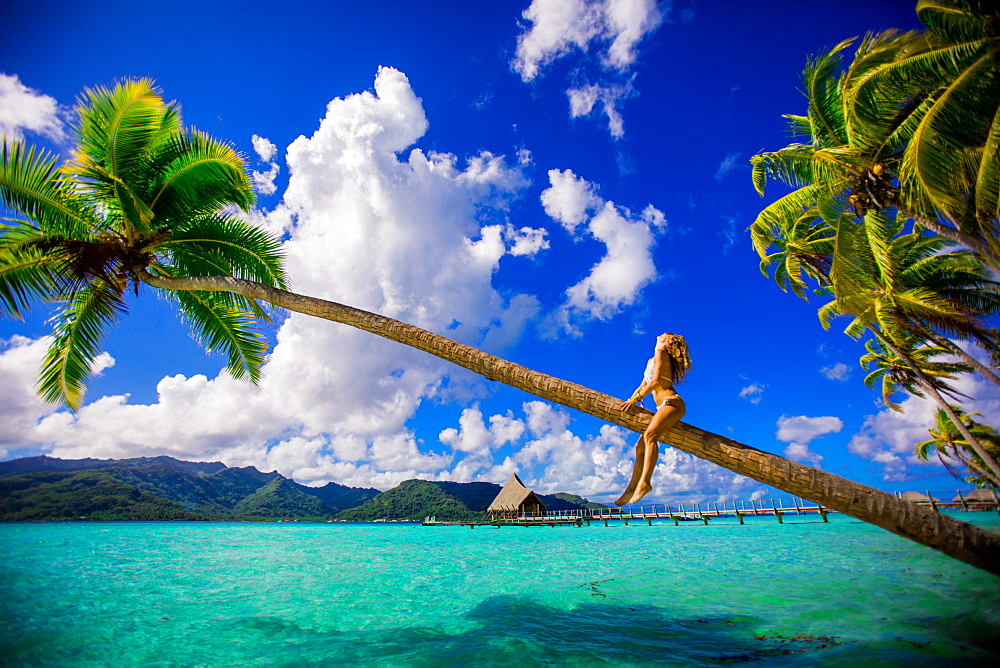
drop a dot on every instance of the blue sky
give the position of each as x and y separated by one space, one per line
556 182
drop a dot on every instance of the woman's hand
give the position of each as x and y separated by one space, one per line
628 405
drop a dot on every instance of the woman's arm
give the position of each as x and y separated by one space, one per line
661 363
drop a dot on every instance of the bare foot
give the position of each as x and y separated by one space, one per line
641 491
626 495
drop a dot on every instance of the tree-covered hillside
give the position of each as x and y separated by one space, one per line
76 495
446 501
176 489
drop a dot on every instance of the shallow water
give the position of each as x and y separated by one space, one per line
798 593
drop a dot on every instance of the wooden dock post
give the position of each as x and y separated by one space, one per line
961 500
676 521
933 503
739 515
822 511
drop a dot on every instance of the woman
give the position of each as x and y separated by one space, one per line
669 364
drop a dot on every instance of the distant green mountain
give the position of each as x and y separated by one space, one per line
189 490
74 495
164 488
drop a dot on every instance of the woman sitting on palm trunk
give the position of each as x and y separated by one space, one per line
669 364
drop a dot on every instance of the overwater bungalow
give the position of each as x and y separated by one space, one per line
514 501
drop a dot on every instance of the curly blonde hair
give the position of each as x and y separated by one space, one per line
680 359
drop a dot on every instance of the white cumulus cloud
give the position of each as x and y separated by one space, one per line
24 109
800 430
560 26
263 181
582 101
804 429
265 148
839 372
612 29
753 392
627 266
363 215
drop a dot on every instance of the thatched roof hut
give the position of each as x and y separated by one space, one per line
514 500
977 496
917 497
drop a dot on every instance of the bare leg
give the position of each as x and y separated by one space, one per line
640 458
659 426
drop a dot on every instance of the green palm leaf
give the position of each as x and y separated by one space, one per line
26 275
219 326
226 246
199 174
79 327
29 184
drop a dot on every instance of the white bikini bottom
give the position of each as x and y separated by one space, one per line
667 402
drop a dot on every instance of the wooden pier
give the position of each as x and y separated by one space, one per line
675 513
776 508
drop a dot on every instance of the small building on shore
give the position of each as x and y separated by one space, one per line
977 496
514 501
917 497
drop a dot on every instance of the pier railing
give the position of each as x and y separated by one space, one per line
777 508
683 512
955 500
693 512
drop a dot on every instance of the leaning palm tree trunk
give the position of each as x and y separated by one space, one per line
928 386
981 248
957 539
945 342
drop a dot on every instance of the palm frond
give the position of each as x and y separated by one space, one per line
958 20
29 184
932 164
778 216
801 126
987 178
822 89
79 327
220 327
225 246
116 128
27 275
202 175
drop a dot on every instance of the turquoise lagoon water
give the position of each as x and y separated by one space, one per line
221 594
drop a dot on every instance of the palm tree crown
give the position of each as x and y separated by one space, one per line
141 194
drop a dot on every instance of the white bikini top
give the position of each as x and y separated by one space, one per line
648 374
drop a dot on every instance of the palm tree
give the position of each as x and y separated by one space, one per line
899 287
121 215
947 443
848 165
892 373
945 86
913 121
141 192
843 164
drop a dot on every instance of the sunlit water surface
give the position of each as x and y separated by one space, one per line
220 594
